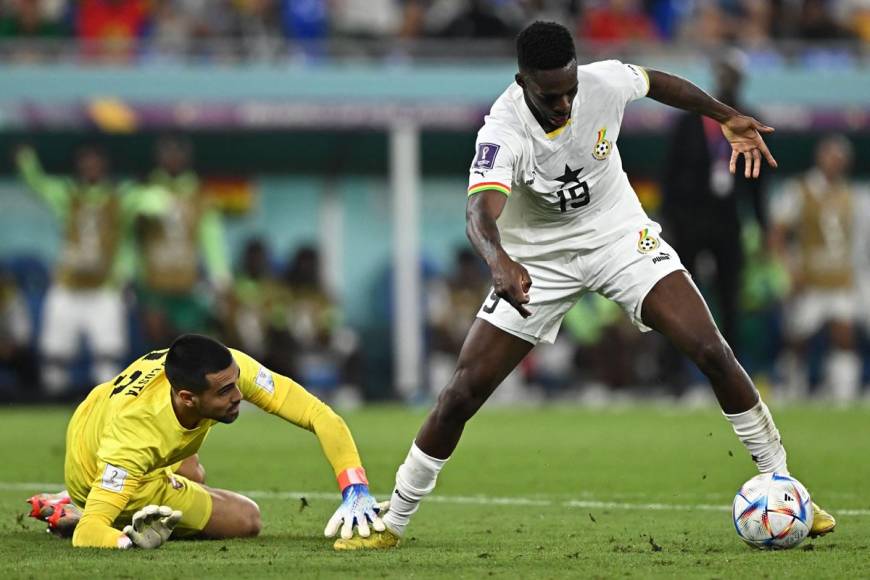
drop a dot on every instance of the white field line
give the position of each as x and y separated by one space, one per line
464 500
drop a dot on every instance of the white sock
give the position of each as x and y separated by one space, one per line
755 428
843 375
414 480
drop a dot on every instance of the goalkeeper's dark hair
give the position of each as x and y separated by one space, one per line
544 46
193 356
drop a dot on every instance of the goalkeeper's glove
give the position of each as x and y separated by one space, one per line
357 509
152 526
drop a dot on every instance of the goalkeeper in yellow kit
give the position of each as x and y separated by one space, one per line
131 467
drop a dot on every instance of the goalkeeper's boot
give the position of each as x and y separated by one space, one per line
57 510
376 541
823 522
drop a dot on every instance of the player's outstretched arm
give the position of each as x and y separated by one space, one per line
286 398
743 132
52 190
510 280
358 507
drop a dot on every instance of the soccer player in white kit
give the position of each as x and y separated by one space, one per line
552 213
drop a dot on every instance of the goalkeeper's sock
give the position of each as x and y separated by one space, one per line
755 428
414 480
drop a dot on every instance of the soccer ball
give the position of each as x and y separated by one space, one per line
773 511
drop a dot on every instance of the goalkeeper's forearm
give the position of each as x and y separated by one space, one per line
94 530
338 446
303 409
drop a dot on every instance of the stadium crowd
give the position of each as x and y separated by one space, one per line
149 28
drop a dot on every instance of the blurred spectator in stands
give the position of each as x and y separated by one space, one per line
29 19
667 15
561 11
452 304
84 299
177 25
112 28
856 15
479 19
256 24
816 22
702 199
755 24
326 352
616 21
765 289
305 19
487 19
259 311
815 233
16 331
175 228
707 25
365 18
30 23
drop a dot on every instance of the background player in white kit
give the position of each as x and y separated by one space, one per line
552 213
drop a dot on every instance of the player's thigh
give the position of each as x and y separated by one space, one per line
107 323
190 468
60 323
676 308
232 515
628 269
176 491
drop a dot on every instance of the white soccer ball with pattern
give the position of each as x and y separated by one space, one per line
773 511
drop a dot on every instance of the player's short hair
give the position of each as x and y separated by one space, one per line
544 46
193 356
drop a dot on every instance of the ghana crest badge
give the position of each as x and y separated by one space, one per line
603 147
647 242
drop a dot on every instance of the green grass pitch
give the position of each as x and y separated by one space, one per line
630 492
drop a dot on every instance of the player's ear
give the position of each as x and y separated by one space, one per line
521 80
186 397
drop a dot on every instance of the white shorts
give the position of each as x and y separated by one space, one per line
812 309
624 270
96 314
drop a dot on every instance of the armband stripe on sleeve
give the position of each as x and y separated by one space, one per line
645 76
352 476
500 187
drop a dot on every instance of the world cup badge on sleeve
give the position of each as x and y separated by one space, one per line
603 147
486 153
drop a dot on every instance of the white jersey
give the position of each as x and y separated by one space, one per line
567 189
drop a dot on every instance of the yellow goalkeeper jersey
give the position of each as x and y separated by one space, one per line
126 432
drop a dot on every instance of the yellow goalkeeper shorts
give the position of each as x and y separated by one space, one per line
177 492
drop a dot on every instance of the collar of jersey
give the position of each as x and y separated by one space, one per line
556 132
536 126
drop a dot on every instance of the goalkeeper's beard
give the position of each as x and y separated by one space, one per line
230 416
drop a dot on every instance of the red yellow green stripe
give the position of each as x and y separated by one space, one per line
500 187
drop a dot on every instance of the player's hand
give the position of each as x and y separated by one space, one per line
358 508
512 283
744 134
152 526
